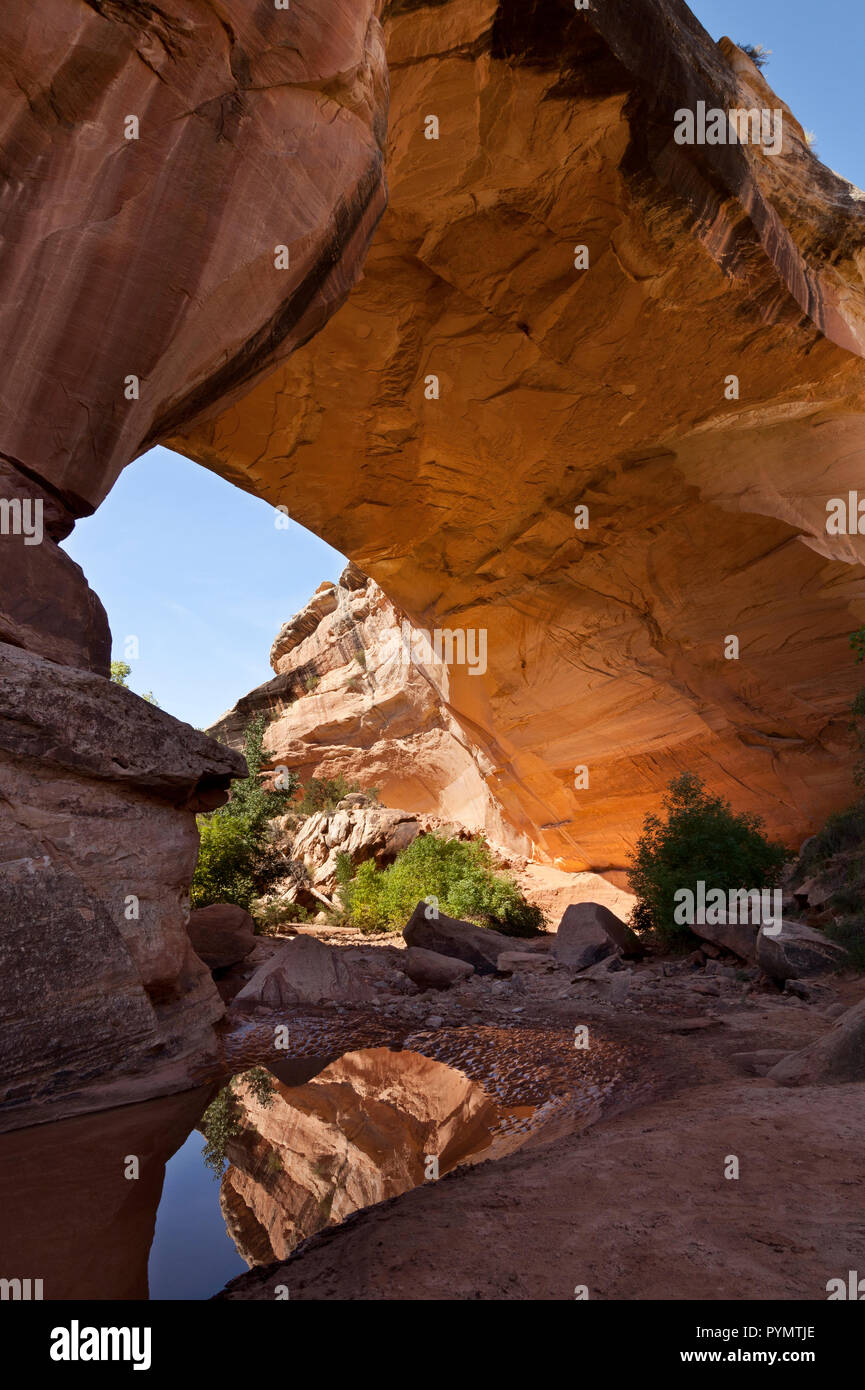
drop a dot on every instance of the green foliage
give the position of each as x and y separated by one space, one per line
701 838
222 1120
360 658
151 698
269 917
324 793
120 672
234 859
311 682
757 52
458 873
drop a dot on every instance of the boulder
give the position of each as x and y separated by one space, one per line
221 934
430 970
305 971
837 1057
588 933
797 952
738 937
448 936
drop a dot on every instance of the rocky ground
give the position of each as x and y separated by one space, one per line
618 1184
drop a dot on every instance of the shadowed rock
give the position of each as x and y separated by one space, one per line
589 932
221 934
837 1057
798 952
448 936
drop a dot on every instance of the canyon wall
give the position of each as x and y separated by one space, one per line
351 696
607 387
187 191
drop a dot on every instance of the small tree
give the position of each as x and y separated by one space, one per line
120 672
223 1118
700 838
234 859
757 52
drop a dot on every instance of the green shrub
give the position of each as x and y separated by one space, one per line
222 1120
324 793
458 873
235 861
269 917
701 838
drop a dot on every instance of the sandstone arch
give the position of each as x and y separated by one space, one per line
559 387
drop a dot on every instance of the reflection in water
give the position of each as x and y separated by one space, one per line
192 1253
365 1129
347 1128
70 1216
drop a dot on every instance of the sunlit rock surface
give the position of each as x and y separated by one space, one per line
602 387
348 699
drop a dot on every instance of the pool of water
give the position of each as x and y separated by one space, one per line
357 1114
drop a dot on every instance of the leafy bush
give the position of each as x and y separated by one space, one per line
324 793
222 1120
269 917
120 672
701 838
234 859
458 873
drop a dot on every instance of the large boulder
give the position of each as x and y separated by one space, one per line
479 946
837 1057
738 937
306 971
430 970
221 934
797 952
588 933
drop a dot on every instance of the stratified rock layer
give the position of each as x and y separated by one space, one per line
603 387
104 1000
187 192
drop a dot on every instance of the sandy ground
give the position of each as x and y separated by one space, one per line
637 1208
634 1204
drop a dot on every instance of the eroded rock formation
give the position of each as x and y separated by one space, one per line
186 191
602 387
348 697
103 998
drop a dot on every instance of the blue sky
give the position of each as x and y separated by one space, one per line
195 568
816 65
